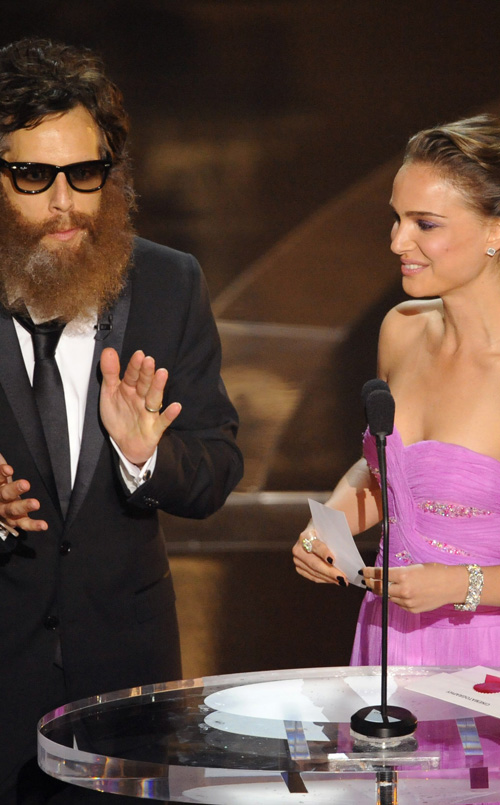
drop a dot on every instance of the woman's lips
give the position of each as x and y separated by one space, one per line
410 269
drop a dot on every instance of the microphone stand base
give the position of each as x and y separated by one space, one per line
369 725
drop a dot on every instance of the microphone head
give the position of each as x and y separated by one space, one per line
380 408
373 385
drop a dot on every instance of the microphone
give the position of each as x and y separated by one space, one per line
380 408
103 327
373 385
382 724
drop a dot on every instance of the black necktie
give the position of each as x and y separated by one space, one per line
49 397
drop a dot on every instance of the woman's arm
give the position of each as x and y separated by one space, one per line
358 495
422 588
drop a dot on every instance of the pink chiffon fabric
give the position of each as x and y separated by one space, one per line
444 506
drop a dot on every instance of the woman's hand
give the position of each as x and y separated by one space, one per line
318 563
421 588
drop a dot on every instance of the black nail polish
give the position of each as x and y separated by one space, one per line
360 572
329 560
341 581
363 582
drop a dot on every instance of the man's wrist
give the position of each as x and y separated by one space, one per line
133 475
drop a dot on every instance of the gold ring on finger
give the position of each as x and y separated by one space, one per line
152 410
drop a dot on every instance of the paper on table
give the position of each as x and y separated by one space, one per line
458 688
331 527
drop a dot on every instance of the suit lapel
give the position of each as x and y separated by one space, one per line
94 434
16 385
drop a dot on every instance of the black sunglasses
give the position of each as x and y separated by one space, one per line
36 177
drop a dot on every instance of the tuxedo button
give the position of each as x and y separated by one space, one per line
152 503
147 475
51 622
64 547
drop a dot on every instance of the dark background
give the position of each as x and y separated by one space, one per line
265 136
246 116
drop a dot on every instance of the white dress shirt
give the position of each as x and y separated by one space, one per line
74 359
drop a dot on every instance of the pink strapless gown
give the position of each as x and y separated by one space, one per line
444 506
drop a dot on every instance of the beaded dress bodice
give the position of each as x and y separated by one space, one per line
444 502
444 506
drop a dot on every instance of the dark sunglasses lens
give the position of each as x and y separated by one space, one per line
33 178
87 175
37 177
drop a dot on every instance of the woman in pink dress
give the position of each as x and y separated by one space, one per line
440 355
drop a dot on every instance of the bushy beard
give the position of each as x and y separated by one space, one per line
66 282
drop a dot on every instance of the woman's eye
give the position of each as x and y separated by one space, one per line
425 226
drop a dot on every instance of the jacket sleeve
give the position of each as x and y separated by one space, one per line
198 461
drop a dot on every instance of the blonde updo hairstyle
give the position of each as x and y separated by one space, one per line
467 154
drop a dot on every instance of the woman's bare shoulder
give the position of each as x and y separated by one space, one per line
403 325
415 311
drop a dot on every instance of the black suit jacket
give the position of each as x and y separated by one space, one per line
100 581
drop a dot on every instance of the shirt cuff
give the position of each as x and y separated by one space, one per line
132 475
5 530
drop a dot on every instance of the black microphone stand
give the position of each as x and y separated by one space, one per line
382 463
380 724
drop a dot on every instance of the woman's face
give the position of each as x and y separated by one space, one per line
442 243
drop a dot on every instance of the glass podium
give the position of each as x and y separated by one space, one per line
272 737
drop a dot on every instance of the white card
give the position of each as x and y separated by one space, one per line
331 527
458 688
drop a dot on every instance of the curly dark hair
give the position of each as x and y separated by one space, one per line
39 77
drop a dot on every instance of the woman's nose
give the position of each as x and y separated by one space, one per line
402 240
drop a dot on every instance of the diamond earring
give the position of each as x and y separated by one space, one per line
491 251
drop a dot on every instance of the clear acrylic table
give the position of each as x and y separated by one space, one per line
272 737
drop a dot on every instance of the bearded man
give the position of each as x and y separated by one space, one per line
87 598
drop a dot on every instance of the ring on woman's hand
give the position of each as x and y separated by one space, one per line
307 543
152 410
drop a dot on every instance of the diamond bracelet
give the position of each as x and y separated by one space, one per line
476 581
